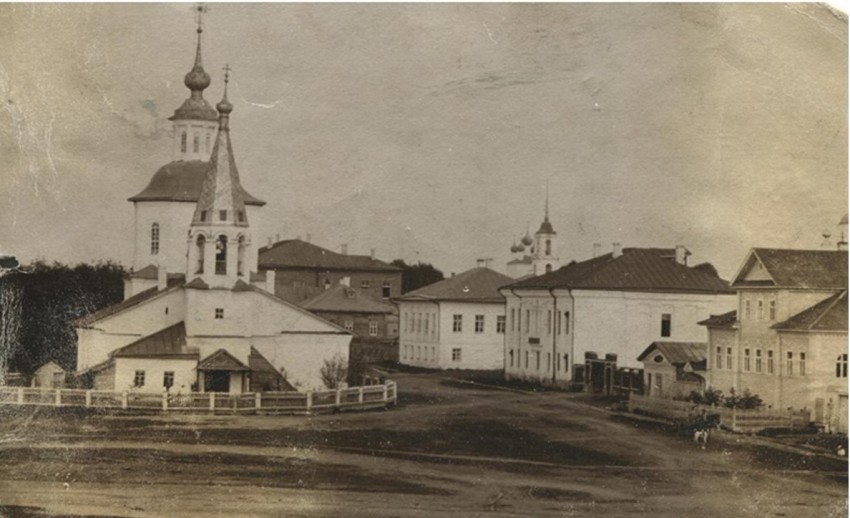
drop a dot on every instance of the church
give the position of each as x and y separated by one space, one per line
196 314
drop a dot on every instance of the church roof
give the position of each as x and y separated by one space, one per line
475 285
786 268
295 253
181 180
344 299
546 227
829 314
221 360
636 269
138 298
166 343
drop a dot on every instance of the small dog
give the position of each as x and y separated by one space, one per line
701 438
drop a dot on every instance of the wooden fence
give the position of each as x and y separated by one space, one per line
353 398
743 421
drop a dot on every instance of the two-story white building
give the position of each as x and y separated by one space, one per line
456 323
576 325
787 340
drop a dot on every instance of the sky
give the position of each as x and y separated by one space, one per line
430 131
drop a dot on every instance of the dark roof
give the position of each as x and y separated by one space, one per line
546 227
526 259
221 360
167 343
637 269
727 320
125 304
829 314
677 353
152 272
798 268
341 298
297 294
475 285
294 253
182 180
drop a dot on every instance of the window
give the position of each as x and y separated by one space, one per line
513 319
221 255
526 359
537 358
457 323
665 324
527 320
660 382
729 358
549 322
772 310
386 289
364 285
168 379
456 354
747 309
240 215
208 143
203 215
758 360
511 355
434 327
201 246
760 309
427 322
139 379
548 361
566 362
155 239
240 256
789 363
566 322
500 323
373 328
548 268
418 351
718 358
196 143
183 141
419 322
770 362
549 252
802 364
433 353
746 360
479 323
219 313
841 366
559 362
222 215
349 325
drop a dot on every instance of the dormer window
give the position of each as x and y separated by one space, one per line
222 215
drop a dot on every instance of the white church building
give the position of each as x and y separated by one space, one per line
196 314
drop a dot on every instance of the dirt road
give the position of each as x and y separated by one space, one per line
447 449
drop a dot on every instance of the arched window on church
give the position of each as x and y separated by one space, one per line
201 245
240 257
155 239
183 141
841 366
548 247
221 255
548 268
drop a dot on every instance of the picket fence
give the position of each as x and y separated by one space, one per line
352 398
737 420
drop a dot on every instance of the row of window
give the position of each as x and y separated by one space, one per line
221 255
167 379
550 364
760 312
373 327
196 142
420 353
457 323
756 360
426 323
555 322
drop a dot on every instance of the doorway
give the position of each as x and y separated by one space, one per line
217 381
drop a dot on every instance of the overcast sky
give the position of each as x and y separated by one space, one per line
429 131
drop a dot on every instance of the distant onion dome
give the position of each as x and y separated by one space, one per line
196 80
526 240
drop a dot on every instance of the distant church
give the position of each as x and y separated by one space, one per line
541 256
196 314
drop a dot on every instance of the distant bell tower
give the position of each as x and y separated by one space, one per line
220 250
195 121
543 258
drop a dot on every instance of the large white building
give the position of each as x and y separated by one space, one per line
456 323
195 313
579 323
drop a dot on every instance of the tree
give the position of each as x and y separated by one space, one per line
334 371
415 276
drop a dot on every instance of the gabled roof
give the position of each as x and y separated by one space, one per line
182 180
637 269
166 343
152 272
475 285
526 259
677 353
786 268
341 298
294 253
829 314
221 360
724 320
126 304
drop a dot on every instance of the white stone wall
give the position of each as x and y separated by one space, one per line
478 350
419 334
125 372
204 130
302 356
173 219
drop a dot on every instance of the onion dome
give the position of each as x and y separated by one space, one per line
514 248
197 80
526 240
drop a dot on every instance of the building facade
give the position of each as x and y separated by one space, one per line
787 340
576 325
456 323
542 257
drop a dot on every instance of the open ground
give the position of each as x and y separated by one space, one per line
448 448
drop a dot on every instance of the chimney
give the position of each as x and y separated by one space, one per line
270 281
617 250
161 278
372 253
597 247
308 237
345 281
488 262
344 248
480 263
681 255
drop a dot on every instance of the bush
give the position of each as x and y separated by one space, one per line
711 397
334 371
745 401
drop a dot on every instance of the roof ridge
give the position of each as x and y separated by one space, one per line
835 299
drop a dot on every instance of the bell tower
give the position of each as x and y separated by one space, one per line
219 236
544 259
